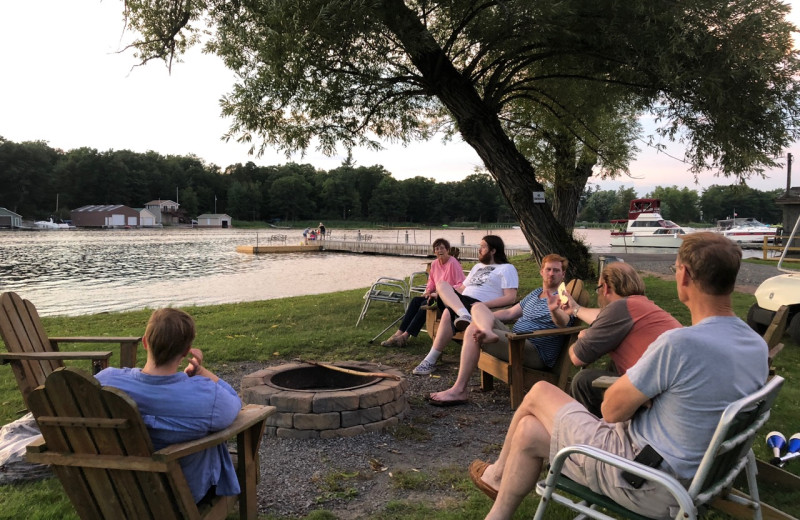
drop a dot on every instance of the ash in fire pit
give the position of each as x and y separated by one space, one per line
318 402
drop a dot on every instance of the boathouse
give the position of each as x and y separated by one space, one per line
146 217
214 220
167 212
9 219
105 216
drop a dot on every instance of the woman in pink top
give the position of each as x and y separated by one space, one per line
446 268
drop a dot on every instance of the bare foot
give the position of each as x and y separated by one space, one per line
490 477
483 336
450 395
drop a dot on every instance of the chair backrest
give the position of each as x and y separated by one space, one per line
727 452
22 332
110 472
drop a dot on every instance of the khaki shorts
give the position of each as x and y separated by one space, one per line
573 424
530 356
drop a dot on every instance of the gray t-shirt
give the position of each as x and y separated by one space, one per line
692 374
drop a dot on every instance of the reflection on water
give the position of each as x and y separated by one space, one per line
83 272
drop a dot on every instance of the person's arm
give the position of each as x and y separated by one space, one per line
196 368
609 328
511 313
585 314
621 401
560 318
508 298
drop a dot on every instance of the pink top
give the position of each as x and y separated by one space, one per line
451 272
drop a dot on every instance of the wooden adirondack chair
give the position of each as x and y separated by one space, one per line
100 449
521 378
33 356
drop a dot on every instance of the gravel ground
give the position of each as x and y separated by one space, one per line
357 477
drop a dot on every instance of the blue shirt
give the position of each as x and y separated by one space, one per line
536 316
179 408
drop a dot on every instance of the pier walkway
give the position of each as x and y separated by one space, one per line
469 252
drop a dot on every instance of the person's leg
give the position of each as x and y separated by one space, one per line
483 321
450 298
542 402
443 336
470 351
583 392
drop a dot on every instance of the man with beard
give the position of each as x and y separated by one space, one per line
541 309
623 327
493 281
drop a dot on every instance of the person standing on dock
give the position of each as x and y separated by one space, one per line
493 281
305 236
321 231
446 268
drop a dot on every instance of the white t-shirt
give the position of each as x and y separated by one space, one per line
486 282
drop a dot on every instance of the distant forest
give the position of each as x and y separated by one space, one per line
33 176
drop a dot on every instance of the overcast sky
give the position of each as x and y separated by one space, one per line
62 81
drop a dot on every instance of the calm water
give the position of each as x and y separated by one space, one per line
84 272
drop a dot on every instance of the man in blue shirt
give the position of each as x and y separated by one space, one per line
541 309
179 406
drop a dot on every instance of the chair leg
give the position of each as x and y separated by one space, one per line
387 328
752 484
364 310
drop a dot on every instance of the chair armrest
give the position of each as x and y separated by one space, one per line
546 332
604 381
671 484
6 357
249 416
127 345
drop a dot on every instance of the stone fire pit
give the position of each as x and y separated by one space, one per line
317 402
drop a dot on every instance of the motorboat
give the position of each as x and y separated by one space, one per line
744 230
645 227
49 224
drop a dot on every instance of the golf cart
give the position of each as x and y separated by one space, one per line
774 292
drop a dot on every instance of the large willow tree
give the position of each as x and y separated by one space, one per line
512 77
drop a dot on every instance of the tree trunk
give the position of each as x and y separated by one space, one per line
480 127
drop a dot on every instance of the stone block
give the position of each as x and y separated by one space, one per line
391 422
280 419
288 433
258 394
376 397
394 408
298 402
342 432
363 416
256 378
317 421
336 401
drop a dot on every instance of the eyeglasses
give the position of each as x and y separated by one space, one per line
597 289
674 269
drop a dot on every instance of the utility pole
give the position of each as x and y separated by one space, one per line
789 158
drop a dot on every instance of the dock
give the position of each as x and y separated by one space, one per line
469 253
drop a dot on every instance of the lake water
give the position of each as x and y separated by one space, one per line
85 272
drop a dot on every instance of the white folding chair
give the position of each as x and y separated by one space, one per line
729 452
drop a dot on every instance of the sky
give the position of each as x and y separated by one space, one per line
64 81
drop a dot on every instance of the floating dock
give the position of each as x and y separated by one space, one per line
368 247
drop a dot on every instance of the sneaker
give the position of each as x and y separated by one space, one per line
462 322
425 368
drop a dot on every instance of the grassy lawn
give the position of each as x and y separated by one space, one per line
321 328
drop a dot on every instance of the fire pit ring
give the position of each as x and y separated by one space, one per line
318 402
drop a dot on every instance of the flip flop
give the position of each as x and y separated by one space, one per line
476 471
445 404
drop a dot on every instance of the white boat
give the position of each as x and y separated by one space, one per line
645 227
49 224
744 230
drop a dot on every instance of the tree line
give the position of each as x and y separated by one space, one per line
33 176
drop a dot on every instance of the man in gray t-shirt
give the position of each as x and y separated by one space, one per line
671 399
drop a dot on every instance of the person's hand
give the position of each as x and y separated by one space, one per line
571 304
553 301
195 362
